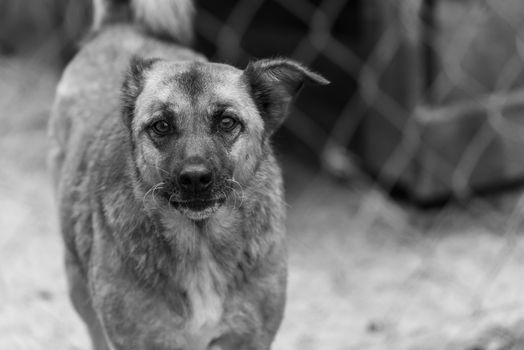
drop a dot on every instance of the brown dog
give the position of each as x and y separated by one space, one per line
170 197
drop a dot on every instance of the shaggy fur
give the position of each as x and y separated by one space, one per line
146 269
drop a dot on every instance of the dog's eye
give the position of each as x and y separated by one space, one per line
161 127
227 123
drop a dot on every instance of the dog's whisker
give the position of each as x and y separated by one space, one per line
158 168
236 192
233 192
151 192
171 197
241 188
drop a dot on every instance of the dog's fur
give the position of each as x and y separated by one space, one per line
148 268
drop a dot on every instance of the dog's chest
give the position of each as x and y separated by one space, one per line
203 282
205 294
204 286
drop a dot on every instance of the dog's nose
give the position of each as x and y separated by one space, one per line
195 178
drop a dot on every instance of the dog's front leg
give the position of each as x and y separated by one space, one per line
134 315
82 302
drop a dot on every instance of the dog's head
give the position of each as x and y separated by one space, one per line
199 129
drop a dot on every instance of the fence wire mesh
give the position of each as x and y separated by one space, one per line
425 104
430 113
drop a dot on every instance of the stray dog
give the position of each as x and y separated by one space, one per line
170 198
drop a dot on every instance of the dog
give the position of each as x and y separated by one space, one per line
169 195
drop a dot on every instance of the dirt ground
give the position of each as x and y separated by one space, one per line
365 272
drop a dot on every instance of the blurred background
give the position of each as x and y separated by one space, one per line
403 177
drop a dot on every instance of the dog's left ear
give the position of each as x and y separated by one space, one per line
133 85
274 83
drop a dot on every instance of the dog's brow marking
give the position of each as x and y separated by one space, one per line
191 82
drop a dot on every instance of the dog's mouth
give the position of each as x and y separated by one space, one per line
198 209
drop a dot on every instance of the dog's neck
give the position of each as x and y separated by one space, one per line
190 241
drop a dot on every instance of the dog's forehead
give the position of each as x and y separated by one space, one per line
198 80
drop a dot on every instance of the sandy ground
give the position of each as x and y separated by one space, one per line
365 272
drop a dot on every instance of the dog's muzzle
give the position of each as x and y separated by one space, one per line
196 182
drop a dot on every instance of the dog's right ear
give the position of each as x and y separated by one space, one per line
133 85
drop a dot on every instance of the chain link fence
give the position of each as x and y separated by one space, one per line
403 176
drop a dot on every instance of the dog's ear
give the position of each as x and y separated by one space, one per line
133 84
274 83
